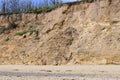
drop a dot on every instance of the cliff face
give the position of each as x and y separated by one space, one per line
74 33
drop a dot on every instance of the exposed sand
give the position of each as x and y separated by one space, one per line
76 72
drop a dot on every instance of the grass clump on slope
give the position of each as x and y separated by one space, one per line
26 31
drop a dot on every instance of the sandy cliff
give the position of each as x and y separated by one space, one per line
74 33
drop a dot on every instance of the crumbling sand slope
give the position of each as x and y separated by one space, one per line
74 33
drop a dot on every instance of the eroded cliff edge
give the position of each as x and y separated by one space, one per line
74 33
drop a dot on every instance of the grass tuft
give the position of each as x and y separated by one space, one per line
27 31
6 39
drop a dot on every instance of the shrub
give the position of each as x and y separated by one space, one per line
12 25
2 29
6 39
8 27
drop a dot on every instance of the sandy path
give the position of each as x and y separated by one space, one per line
77 72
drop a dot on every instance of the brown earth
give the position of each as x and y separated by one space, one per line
74 33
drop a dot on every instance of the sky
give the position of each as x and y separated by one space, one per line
69 0
36 1
62 0
43 0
